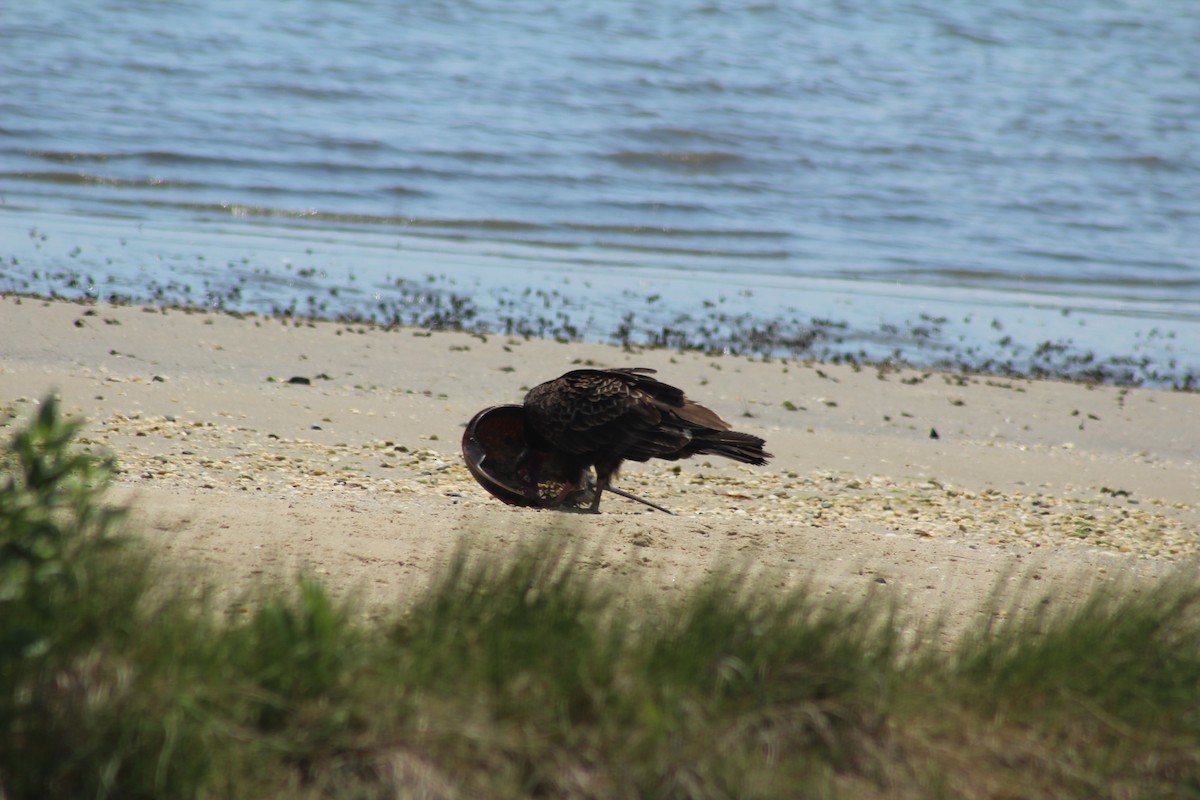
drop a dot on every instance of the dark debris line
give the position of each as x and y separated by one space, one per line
548 315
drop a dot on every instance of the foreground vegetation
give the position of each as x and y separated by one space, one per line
525 678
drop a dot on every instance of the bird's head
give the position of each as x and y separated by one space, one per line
528 469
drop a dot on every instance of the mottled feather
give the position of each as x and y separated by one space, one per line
604 417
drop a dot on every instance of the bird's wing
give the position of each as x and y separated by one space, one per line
673 403
618 412
588 411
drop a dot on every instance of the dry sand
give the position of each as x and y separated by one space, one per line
1041 486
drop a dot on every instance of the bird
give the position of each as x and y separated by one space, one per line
600 418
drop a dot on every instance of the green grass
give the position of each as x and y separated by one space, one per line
521 677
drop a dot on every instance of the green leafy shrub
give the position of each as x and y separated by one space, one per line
52 526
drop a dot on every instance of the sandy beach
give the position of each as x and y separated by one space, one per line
931 488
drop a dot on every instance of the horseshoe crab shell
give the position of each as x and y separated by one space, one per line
492 444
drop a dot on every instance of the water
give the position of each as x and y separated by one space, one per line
947 181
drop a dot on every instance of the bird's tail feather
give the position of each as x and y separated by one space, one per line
732 444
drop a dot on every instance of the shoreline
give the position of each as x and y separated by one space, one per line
357 476
941 336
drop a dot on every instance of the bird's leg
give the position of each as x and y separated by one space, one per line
605 471
604 475
572 490
595 506
564 494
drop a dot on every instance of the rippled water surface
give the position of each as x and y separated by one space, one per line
935 178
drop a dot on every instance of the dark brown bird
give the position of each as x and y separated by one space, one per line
600 418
